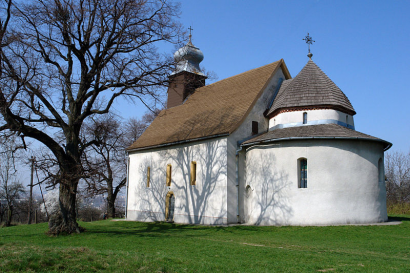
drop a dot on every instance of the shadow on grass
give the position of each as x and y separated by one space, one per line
154 229
161 229
398 218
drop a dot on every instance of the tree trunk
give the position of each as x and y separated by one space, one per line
110 205
8 218
64 221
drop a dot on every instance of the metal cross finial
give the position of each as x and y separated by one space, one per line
190 34
309 41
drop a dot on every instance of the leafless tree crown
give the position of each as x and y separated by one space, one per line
63 62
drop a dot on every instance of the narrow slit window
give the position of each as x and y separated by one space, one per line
381 171
148 176
303 173
193 173
304 118
255 128
169 170
347 120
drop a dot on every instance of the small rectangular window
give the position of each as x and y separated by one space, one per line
304 118
169 175
303 173
255 128
193 173
148 176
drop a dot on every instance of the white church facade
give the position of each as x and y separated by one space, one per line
256 148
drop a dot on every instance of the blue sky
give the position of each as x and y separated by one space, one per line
363 46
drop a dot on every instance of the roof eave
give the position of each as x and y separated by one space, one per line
130 150
387 144
319 107
285 70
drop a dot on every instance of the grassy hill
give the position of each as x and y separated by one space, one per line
161 247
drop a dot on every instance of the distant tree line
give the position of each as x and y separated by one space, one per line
397 176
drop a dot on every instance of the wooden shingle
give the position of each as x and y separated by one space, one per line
310 88
329 131
213 110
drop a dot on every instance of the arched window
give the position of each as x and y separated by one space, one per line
304 118
302 172
169 207
248 191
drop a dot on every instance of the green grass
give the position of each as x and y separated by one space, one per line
162 247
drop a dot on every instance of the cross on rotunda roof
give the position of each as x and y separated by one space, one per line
309 41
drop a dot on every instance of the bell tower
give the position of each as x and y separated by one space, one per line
187 76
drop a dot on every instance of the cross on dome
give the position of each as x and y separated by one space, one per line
190 34
309 41
188 57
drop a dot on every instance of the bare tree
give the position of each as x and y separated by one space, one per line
10 188
397 171
105 160
134 127
65 61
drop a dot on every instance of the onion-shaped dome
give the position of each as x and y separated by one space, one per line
188 58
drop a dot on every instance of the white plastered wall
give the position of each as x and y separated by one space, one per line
323 116
203 203
236 164
343 185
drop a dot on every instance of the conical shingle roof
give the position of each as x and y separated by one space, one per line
310 88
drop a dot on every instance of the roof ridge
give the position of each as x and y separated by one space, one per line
237 75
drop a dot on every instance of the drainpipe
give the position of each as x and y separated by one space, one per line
237 184
126 187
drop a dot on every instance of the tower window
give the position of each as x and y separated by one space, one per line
169 168
193 173
255 128
304 118
347 120
302 172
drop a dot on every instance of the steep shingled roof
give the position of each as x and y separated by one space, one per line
329 131
215 109
310 88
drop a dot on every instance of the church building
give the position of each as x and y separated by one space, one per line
258 148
